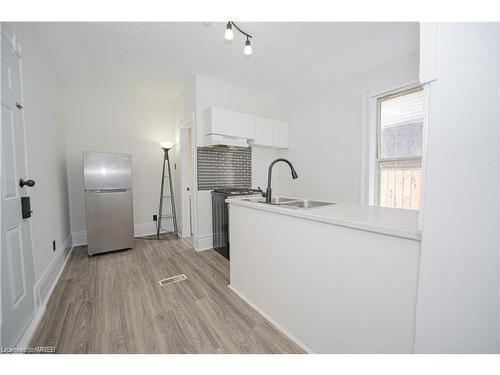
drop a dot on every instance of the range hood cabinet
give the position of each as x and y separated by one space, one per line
216 140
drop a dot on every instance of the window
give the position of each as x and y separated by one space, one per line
399 148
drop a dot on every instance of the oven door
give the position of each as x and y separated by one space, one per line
220 224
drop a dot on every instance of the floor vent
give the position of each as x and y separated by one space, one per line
173 279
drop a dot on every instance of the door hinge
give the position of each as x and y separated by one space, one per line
19 106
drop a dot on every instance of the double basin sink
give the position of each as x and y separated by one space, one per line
297 203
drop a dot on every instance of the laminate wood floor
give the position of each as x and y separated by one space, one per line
113 303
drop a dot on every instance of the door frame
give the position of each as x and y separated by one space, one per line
186 178
7 35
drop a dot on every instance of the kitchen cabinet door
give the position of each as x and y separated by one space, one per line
230 123
281 134
263 132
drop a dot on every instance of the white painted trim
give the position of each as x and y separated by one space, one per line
44 287
79 238
365 146
140 230
144 229
147 229
391 90
429 52
30 330
499 199
186 178
371 126
2 26
204 242
425 136
273 322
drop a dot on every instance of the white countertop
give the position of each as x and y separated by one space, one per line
390 221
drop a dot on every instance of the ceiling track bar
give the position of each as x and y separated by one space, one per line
240 30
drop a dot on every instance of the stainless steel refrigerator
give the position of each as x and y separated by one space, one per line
108 201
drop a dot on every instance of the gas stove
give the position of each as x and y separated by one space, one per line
220 214
237 191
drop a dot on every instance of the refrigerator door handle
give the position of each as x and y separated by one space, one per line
103 191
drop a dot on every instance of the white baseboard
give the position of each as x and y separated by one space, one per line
79 238
25 339
140 230
205 242
43 288
273 322
45 285
147 229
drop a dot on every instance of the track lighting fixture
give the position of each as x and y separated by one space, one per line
229 35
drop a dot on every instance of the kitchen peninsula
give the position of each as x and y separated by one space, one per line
336 278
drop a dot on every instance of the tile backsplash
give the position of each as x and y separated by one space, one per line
224 167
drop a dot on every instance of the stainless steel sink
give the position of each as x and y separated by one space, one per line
276 200
305 203
293 202
281 200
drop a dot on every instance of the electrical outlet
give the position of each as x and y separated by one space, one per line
155 217
54 245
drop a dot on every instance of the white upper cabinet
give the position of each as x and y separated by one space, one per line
223 126
271 133
263 132
281 134
229 123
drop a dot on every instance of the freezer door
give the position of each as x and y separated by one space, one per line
106 170
110 220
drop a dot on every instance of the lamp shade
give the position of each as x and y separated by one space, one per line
166 144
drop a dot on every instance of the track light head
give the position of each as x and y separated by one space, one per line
229 35
248 48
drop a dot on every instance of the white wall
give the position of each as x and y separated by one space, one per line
45 142
118 121
211 92
458 299
326 133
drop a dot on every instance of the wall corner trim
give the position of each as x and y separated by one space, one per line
204 242
79 238
429 52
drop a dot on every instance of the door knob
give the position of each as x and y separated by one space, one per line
29 183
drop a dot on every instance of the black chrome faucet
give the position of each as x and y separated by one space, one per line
268 193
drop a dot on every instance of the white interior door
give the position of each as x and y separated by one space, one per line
17 302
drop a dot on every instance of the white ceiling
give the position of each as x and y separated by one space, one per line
289 57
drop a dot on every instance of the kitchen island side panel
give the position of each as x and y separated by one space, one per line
335 289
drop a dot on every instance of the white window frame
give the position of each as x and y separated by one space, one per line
370 189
